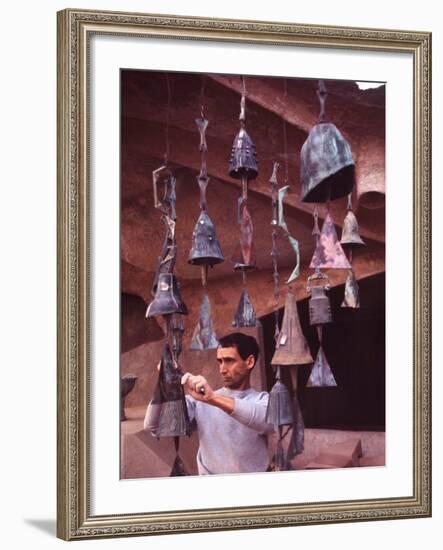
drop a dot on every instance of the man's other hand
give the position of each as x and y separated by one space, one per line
197 387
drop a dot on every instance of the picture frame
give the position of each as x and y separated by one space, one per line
77 251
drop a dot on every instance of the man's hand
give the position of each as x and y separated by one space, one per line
198 387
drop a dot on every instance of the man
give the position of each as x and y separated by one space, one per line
231 420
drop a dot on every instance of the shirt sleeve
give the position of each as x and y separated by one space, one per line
252 413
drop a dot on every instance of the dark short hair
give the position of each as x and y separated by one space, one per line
246 345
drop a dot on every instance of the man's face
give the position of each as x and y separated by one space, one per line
234 370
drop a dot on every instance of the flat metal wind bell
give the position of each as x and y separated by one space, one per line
321 374
204 336
291 346
328 253
292 241
245 315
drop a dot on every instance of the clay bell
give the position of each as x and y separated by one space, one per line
291 348
350 235
167 298
205 248
327 170
243 161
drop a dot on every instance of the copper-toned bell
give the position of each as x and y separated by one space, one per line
204 336
291 347
350 235
351 297
245 314
326 165
328 253
319 306
206 248
321 373
167 298
243 161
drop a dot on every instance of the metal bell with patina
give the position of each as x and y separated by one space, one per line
245 314
327 170
206 249
350 235
167 298
243 161
321 373
328 253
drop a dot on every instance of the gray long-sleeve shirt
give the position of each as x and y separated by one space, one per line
235 443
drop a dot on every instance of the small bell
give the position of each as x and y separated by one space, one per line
351 297
319 306
279 410
174 418
328 253
350 235
291 346
321 373
327 170
204 336
167 297
245 314
206 248
243 161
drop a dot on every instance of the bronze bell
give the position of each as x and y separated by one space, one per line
350 235
174 418
291 347
243 161
279 410
319 306
245 314
329 253
327 170
167 298
321 373
206 248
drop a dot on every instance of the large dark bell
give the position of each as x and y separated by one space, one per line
174 418
167 297
327 169
206 248
243 161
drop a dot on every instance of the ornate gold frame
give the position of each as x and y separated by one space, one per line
75 28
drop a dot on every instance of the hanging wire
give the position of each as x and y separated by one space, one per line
168 109
285 137
202 96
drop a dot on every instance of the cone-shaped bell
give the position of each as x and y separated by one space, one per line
245 314
291 347
329 254
204 336
243 161
205 248
167 298
327 169
279 410
321 373
297 442
350 235
351 298
174 418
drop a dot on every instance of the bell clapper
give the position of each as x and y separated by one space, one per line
204 274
